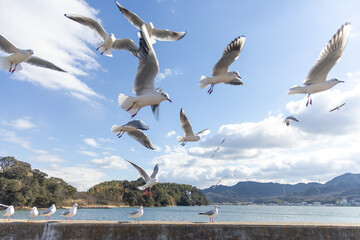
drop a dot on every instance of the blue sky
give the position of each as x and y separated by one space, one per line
60 122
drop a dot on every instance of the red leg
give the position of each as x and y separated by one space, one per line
131 106
14 69
135 113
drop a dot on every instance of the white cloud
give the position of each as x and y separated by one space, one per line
48 158
171 133
113 162
167 72
20 124
11 137
80 177
52 37
88 153
91 142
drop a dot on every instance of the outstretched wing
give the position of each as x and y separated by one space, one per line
43 63
155 172
141 171
89 22
141 138
138 124
6 45
185 124
132 17
167 35
126 44
203 132
230 54
329 56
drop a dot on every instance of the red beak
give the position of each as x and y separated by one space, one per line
170 100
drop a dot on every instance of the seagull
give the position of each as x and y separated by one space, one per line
132 129
329 56
188 132
33 213
136 214
218 147
218 182
109 40
144 84
337 108
287 120
150 181
8 211
211 214
12 63
188 194
220 73
48 212
70 213
154 33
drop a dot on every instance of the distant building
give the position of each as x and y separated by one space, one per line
317 203
342 202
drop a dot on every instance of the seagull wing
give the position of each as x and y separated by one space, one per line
185 124
167 35
292 118
43 63
46 211
230 54
155 172
329 56
141 138
132 17
138 124
211 212
134 212
203 132
148 65
65 213
3 205
141 171
126 44
89 22
341 105
7 46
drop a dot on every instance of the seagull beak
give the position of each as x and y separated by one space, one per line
169 100
341 81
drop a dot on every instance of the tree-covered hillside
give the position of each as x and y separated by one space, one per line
162 194
22 186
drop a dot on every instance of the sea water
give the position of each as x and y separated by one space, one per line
227 213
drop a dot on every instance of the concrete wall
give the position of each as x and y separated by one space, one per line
19 229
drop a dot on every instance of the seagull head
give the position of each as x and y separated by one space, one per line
165 96
216 206
112 37
30 51
236 74
336 81
75 205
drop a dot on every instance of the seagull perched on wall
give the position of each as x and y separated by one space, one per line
150 181
290 118
211 214
329 56
154 33
133 129
8 211
188 132
33 213
136 214
12 63
70 213
48 212
220 73
109 40
144 84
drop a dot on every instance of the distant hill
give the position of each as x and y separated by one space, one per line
346 185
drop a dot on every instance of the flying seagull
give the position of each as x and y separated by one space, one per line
188 132
8 211
218 147
109 40
48 212
12 63
70 213
218 182
144 84
150 181
337 108
329 56
287 120
154 33
220 73
33 213
133 129
136 214
211 214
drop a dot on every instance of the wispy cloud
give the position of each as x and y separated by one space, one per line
167 72
20 124
88 153
11 137
48 158
171 133
114 162
91 142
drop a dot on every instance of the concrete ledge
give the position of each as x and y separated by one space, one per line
19 229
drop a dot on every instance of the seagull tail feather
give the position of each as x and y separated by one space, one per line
115 128
142 188
204 82
104 51
296 90
180 139
125 102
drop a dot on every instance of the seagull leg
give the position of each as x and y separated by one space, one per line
308 100
131 106
150 191
14 69
135 113
99 47
10 67
120 134
211 89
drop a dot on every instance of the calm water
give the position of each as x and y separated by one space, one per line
315 214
